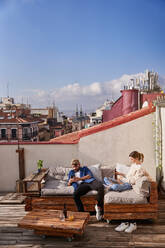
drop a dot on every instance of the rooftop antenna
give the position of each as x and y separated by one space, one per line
8 89
76 110
54 104
81 113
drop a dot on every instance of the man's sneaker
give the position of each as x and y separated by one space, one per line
132 227
98 213
122 227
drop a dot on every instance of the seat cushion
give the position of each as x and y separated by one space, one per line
125 197
59 187
63 191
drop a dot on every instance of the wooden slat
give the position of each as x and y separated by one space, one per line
153 193
12 198
130 208
36 177
122 216
61 200
55 233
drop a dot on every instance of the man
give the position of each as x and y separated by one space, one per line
82 179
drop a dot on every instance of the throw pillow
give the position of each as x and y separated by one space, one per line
96 171
107 171
122 168
142 186
59 173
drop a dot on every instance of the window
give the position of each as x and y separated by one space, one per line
3 134
14 133
26 133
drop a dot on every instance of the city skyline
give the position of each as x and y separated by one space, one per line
78 52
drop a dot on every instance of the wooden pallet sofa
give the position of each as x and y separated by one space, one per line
147 210
55 193
117 205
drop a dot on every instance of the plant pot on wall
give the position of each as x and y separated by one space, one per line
39 165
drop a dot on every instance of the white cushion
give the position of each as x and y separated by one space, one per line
59 173
122 168
65 190
125 197
96 171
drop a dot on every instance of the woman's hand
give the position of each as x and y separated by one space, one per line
119 173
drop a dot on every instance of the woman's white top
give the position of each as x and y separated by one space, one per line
136 171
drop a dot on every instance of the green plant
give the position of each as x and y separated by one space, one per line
39 164
157 138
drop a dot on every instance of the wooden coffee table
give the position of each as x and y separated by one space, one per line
48 223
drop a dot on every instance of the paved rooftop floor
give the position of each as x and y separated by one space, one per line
97 234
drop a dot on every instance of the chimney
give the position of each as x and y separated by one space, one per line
130 101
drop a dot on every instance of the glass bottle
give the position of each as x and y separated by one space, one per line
65 211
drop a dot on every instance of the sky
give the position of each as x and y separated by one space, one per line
78 51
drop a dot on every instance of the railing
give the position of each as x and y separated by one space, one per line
4 137
26 137
9 137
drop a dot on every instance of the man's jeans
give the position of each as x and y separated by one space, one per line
115 186
84 188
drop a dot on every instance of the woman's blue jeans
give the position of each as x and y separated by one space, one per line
115 186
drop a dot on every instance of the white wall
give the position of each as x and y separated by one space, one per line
51 154
114 145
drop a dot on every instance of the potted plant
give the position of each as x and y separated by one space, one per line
39 165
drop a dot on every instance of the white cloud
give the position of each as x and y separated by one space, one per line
90 96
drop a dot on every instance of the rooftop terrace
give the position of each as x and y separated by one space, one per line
97 234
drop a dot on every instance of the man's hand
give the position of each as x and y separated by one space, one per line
74 179
71 180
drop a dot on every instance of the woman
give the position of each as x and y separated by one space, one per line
125 182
